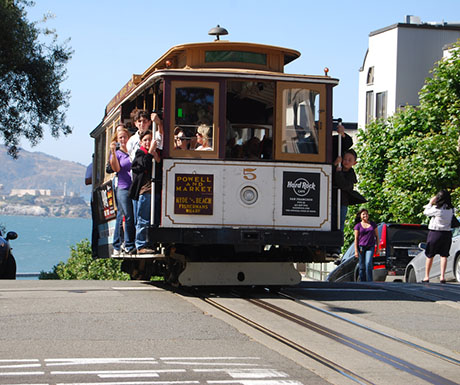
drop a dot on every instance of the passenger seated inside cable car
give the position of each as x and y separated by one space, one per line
181 140
204 138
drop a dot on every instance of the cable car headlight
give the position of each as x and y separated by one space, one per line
249 195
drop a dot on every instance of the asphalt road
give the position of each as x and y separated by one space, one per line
133 333
86 332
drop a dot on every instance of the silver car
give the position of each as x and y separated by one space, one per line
415 270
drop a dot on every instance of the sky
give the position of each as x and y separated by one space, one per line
114 39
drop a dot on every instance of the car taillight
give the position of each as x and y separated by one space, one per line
383 242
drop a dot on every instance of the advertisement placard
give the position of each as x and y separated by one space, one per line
301 194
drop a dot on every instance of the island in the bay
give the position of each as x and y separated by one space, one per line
41 184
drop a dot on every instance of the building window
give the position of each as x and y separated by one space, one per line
381 105
369 106
370 76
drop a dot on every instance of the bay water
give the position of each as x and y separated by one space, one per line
44 241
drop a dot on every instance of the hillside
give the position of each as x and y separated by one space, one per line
36 170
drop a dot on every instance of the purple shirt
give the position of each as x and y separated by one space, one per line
124 175
366 237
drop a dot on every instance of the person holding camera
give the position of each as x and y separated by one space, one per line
121 164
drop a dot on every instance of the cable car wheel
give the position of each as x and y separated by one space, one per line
174 266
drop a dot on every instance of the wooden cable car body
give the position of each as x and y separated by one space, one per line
260 197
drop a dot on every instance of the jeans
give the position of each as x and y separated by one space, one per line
134 202
143 220
118 235
366 263
343 216
125 208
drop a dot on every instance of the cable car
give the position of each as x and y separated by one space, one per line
258 197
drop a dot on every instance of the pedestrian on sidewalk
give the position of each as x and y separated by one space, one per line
366 237
439 239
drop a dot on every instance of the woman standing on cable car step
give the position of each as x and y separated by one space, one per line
120 163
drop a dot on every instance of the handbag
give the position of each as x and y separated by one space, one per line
108 168
455 223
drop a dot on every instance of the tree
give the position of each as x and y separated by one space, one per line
406 159
31 73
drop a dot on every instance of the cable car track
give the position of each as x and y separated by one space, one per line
400 340
395 362
302 349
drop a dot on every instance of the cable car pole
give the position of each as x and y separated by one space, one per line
155 128
152 195
339 193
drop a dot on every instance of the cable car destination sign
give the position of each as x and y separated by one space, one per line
193 194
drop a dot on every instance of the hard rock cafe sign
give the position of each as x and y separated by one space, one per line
301 194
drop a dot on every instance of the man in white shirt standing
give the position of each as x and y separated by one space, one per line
143 122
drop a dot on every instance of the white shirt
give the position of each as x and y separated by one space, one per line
133 145
441 219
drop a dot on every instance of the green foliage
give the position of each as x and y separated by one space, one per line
31 72
82 266
406 159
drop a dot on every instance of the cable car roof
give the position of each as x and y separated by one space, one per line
224 54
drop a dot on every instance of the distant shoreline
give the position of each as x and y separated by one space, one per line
36 211
46 209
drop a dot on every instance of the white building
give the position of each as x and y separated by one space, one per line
34 192
396 64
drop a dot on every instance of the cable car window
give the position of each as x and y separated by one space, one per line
194 118
235 56
194 106
300 134
249 129
301 122
194 114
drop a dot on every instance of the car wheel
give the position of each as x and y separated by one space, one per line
10 268
457 268
411 278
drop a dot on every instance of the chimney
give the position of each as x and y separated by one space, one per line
410 19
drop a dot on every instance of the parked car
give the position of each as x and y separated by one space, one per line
398 244
415 270
7 261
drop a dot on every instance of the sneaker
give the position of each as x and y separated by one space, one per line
145 251
116 253
131 252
